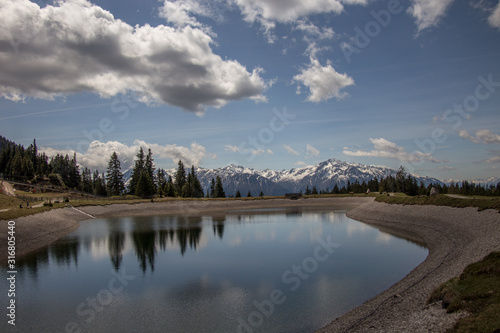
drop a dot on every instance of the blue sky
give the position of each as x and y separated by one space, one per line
264 84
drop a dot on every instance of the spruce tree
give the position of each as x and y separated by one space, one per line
149 166
136 171
180 178
238 194
219 189
114 176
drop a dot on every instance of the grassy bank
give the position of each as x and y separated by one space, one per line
14 211
442 200
476 291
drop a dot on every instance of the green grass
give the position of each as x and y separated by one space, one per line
477 291
442 200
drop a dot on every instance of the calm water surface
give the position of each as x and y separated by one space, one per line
283 270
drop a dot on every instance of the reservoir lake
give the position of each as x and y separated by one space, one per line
274 270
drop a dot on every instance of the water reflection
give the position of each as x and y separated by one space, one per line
146 236
202 273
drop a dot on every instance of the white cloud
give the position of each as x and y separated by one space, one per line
311 151
310 29
427 13
98 153
234 149
290 10
290 150
323 81
285 11
482 136
494 19
301 164
253 151
182 12
75 46
388 149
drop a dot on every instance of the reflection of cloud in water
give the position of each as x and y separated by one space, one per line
355 227
98 248
383 238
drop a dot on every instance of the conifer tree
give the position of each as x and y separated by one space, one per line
114 176
170 192
86 183
149 166
180 178
137 171
249 195
238 194
219 189
212 188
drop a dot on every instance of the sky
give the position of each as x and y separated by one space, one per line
263 84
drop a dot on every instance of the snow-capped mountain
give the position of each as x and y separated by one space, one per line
324 175
484 182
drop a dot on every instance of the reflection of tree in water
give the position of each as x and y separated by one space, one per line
34 262
218 225
65 251
144 243
116 244
189 236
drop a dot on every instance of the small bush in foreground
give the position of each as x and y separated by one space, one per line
476 291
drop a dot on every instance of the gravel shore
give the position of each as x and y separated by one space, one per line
455 237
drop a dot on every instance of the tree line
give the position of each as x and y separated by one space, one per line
29 165
404 182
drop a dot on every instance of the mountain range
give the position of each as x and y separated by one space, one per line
324 175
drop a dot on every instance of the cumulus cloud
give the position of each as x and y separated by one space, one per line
310 29
268 12
290 150
98 153
74 46
427 13
290 10
311 151
494 19
388 149
183 12
324 82
482 136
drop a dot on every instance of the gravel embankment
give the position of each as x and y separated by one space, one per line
456 237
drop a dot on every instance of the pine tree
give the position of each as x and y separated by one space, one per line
212 188
180 178
170 192
114 176
162 182
261 194
86 183
137 171
238 194
249 195
149 166
219 189
99 184
145 187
